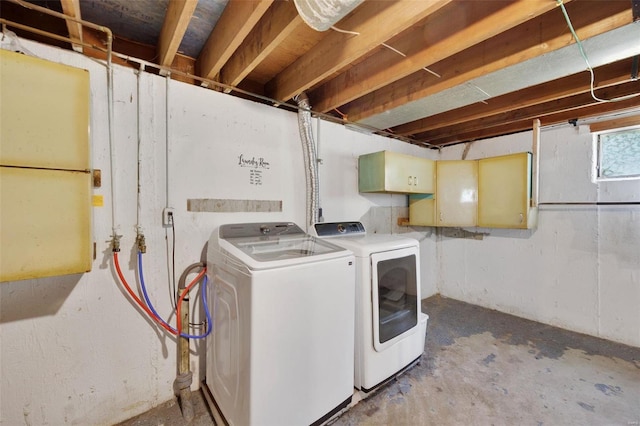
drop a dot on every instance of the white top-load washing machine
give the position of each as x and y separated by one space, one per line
390 326
281 349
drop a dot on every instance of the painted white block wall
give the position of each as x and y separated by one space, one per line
74 349
580 269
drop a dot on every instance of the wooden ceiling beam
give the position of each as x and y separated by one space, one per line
615 123
176 21
607 75
537 111
590 111
375 21
236 22
489 132
447 32
558 106
72 8
275 26
535 37
135 50
593 110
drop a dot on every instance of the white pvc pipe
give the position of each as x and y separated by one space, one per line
166 139
139 228
535 178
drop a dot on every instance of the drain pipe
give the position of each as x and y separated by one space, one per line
310 158
184 377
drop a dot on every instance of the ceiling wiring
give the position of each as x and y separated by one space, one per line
404 56
387 46
334 28
586 60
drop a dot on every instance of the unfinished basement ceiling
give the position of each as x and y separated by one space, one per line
435 72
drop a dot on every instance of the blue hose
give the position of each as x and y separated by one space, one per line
203 287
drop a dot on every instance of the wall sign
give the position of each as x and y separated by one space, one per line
256 167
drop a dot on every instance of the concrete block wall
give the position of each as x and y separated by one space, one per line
579 269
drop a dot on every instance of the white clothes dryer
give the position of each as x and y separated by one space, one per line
281 349
390 326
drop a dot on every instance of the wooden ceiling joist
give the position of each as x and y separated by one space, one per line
176 22
72 8
615 123
435 39
375 24
581 106
535 111
237 21
276 25
535 37
607 75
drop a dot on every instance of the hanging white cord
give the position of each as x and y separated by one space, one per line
334 28
404 56
479 90
586 60
387 46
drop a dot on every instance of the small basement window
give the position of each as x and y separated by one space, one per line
618 154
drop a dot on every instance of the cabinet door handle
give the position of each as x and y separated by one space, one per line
521 217
409 181
415 180
440 216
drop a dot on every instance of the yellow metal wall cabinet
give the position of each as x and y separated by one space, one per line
422 210
387 171
45 179
491 192
457 193
504 191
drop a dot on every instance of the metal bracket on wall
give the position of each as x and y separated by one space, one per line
97 178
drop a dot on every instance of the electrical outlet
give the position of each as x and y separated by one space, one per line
167 216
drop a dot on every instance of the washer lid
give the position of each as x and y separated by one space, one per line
274 245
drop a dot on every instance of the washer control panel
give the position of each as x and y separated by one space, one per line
242 230
335 229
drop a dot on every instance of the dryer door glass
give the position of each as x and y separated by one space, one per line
397 296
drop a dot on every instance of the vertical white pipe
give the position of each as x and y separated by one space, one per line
535 178
166 139
138 207
318 163
112 149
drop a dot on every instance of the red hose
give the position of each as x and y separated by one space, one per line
137 299
183 295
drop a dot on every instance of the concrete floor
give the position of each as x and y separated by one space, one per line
483 367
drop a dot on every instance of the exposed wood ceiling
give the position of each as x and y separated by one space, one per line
429 71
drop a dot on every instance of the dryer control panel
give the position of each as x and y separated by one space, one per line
335 229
